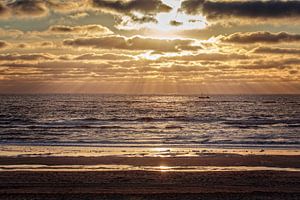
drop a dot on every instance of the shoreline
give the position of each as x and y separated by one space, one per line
155 145
174 151
22 158
79 173
170 162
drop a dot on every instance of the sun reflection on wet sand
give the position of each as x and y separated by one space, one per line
164 168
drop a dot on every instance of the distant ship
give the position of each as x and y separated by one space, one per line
204 97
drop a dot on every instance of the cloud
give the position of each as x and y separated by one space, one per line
106 56
84 29
269 64
293 71
132 43
174 68
3 10
142 6
208 57
137 11
16 57
38 8
123 11
10 33
242 9
28 8
143 19
175 23
3 44
261 37
272 50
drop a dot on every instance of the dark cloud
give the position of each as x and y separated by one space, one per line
28 7
175 68
143 19
250 9
85 29
139 11
46 44
269 64
143 6
61 28
208 57
3 10
3 44
261 37
175 23
133 43
38 8
272 50
293 72
56 66
35 56
149 8
22 46
106 56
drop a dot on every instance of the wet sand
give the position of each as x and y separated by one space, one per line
292 161
48 173
149 185
162 183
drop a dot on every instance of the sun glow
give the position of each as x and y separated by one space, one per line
149 56
163 168
168 24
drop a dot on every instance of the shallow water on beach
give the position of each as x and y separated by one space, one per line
124 120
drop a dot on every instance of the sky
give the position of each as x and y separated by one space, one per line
150 46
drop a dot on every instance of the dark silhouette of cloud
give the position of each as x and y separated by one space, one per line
133 43
272 50
3 44
143 6
175 23
106 56
261 37
28 7
250 9
84 29
139 11
3 10
149 8
37 8
143 19
34 56
208 57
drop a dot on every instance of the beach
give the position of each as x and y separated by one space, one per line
149 100
159 173
150 185
83 147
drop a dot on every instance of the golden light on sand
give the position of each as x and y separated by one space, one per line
163 168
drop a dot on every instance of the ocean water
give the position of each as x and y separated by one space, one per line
150 120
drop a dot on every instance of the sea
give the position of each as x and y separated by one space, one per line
150 120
